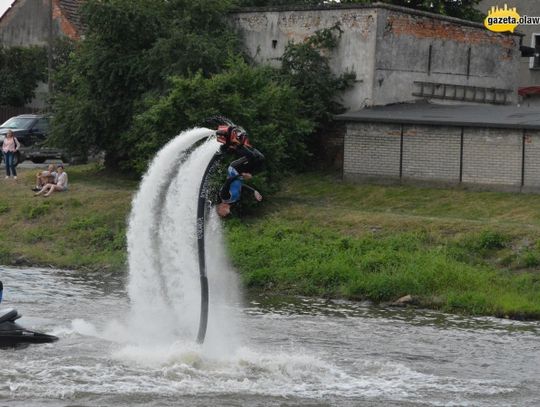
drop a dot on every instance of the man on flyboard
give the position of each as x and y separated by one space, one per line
249 159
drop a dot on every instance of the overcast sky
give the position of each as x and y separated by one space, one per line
4 5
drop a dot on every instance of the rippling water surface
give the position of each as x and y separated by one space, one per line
290 352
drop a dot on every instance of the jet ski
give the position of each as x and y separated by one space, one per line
14 335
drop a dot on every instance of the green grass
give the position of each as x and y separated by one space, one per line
451 249
82 228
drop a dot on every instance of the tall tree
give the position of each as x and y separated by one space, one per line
21 69
130 48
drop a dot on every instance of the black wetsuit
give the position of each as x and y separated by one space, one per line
250 160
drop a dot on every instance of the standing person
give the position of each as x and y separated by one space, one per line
10 146
61 183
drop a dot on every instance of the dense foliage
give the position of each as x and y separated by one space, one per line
306 67
145 73
130 48
21 69
253 96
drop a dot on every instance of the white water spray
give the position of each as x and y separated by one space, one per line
164 285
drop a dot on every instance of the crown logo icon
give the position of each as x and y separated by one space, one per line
496 10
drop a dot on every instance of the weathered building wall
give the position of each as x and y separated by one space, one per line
397 53
414 48
27 22
266 33
499 159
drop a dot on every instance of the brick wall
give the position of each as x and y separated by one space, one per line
431 153
497 158
532 159
372 150
492 156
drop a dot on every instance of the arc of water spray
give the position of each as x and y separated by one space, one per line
150 212
203 204
158 206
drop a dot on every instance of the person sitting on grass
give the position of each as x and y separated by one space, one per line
61 183
45 177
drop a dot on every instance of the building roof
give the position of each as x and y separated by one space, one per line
450 115
71 9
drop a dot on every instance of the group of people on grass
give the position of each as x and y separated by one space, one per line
54 179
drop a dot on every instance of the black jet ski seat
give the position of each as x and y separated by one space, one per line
9 314
14 335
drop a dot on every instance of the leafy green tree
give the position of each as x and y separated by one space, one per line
63 48
254 97
21 69
130 48
306 66
149 68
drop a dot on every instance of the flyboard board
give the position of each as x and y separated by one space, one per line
203 206
202 209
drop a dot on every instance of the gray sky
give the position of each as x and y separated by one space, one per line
4 5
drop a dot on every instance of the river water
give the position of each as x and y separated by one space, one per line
287 352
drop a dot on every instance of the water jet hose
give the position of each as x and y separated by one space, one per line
201 222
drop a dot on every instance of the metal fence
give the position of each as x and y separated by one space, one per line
9 111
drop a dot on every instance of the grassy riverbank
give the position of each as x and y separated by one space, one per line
460 251
83 228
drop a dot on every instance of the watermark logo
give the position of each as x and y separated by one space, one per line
502 19
507 19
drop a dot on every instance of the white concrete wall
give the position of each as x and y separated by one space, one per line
262 31
388 48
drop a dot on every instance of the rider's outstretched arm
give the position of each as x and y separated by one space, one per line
256 193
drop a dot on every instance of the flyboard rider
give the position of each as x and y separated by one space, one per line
249 160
